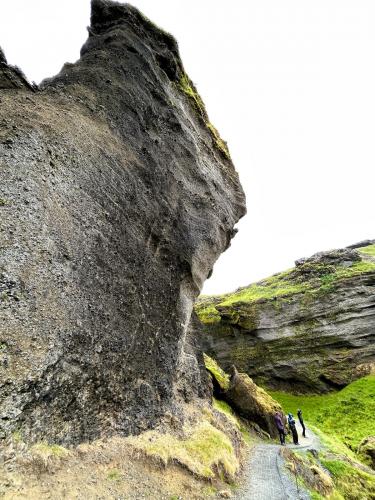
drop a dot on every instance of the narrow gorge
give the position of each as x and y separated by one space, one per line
117 378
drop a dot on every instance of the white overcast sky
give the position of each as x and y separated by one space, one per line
289 84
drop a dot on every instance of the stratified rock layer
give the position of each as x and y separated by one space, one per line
117 196
310 329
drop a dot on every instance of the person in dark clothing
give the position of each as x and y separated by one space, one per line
300 418
292 427
280 427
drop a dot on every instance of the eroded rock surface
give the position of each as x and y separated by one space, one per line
310 329
117 196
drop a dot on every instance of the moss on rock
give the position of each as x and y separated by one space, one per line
217 373
310 277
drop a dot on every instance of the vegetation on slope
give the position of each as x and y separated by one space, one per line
342 420
188 88
369 250
310 278
351 482
346 416
205 450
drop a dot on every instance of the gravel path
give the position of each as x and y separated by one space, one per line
267 477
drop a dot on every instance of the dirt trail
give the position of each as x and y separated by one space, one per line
267 477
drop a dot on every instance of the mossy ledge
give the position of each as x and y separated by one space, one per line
188 88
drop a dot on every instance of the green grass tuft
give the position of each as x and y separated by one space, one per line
114 475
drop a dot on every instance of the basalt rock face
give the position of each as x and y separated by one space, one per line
117 196
310 329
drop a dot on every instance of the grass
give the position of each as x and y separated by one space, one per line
369 250
114 475
44 457
3 202
218 373
275 286
207 314
46 450
226 409
352 483
311 280
205 450
346 416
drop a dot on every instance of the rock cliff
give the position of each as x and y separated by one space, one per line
117 196
309 329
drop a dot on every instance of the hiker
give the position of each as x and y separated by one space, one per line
300 418
292 427
280 427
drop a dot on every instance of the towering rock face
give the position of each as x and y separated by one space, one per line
117 196
309 329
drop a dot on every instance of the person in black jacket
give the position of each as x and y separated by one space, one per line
292 427
300 418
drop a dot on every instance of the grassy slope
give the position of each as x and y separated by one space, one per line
342 420
283 285
347 415
369 250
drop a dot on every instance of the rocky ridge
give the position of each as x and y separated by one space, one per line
117 197
309 329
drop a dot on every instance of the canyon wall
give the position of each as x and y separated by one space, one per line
117 197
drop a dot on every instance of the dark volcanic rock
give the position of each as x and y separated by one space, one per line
310 329
12 77
117 197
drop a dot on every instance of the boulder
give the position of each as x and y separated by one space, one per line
252 402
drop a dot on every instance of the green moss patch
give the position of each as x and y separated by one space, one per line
188 88
218 373
208 314
114 475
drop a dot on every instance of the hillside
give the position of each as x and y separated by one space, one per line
308 329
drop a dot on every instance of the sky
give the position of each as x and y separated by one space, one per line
290 86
